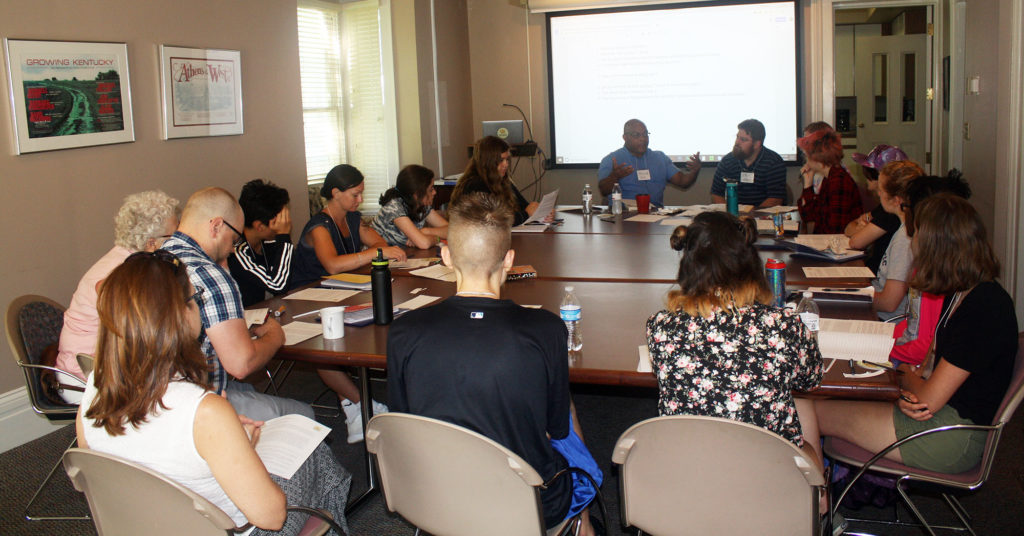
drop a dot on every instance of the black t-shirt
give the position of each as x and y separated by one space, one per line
981 338
887 222
493 367
260 273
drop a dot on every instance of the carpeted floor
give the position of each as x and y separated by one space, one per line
604 412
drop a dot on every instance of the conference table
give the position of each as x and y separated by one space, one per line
621 275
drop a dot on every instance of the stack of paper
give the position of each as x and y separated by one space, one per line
352 281
859 340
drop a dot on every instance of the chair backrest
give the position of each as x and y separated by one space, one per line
448 480
33 323
1015 393
706 475
127 498
86 362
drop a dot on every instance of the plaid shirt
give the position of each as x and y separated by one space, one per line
835 205
220 300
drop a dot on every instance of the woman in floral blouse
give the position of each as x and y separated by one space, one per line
719 349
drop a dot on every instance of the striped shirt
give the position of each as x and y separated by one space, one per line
769 177
221 300
259 273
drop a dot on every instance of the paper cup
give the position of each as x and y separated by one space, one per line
643 203
332 320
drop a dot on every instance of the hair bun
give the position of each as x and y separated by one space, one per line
678 238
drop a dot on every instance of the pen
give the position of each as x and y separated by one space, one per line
276 313
313 312
906 398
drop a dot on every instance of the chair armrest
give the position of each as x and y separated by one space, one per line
877 457
896 318
320 514
80 381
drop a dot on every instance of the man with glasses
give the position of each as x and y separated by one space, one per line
639 170
758 170
206 236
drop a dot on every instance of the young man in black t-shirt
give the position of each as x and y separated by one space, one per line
484 363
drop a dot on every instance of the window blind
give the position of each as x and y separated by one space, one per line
342 92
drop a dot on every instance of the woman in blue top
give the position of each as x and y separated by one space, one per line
333 240
406 217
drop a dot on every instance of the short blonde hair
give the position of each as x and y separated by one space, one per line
143 216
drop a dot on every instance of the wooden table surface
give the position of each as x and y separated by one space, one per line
614 317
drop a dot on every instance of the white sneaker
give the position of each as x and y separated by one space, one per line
354 419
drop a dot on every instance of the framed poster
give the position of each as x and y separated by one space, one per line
202 91
68 94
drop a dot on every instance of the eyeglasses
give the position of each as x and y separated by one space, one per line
197 296
160 254
636 135
241 236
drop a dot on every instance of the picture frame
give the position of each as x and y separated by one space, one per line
67 94
202 92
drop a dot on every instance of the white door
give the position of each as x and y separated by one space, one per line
891 80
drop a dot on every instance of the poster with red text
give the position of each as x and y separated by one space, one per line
68 94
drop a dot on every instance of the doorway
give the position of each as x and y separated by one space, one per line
884 80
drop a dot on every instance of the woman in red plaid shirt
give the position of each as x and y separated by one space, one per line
830 199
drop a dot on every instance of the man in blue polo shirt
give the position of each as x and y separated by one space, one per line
760 171
639 170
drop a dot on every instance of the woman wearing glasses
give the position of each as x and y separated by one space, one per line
336 240
148 401
142 223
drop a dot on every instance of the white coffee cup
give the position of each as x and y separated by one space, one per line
332 319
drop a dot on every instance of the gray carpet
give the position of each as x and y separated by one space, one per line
604 412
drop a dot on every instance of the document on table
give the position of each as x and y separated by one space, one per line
644 364
544 209
417 302
286 442
646 218
255 316
296 332
859 340
768 226
322 294
838 271
437 271
410 264
776 209
532 228
675 222
868 291
837 243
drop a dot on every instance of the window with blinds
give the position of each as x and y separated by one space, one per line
343 92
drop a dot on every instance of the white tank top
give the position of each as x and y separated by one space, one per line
164 443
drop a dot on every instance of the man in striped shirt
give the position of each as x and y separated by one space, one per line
759 171
262 262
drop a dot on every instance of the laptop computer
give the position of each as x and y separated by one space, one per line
510 131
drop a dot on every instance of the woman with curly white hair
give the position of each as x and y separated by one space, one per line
143 222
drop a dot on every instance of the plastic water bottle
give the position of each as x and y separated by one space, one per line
616 199
809 313
571 313
588 199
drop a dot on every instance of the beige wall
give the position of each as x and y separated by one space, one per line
57 207
980 111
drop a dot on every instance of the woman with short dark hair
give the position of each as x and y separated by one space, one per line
830 199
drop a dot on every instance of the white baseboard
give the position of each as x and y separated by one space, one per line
19 423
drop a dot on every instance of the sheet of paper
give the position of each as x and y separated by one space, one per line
410 264
437 271
322 294
417 290
837 243
675 222
646 218
296 332
644 364
775 209
838 271
255 316
544 208
860 340
529 228
417 302
286 442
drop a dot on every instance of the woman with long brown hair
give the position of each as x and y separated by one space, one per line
148 401
719 348
487 171
975 349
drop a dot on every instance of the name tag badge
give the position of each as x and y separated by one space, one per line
747 177
645 175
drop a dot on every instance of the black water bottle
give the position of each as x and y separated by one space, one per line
380 281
